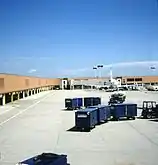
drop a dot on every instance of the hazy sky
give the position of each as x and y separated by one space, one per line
68 37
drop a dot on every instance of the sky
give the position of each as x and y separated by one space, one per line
65 38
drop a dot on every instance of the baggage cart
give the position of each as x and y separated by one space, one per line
103 113
46 159
74 103
86 119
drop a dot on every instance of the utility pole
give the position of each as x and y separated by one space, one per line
95 71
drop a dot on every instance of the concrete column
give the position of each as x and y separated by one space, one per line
12 97
18 96
3 99
23 93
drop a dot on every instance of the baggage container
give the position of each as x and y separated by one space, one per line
92 101
118 111
73 103
131 110
103 113
123 110
88 101
46 159
68 103
86 119
96 101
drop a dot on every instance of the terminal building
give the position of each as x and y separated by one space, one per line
128 81
14 87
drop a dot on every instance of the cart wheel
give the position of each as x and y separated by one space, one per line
116 119
149 116
133 117
87 129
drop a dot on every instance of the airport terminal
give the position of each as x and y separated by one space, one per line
78 82
47 115
14 87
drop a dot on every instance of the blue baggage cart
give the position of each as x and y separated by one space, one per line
73 103
68 103
103 113
86 119
96 101
123 110
79 102
46 159
92 101
131 111
118 111
88 101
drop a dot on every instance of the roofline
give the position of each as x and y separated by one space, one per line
13 74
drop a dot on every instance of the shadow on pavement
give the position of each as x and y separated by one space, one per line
74 129
154 120
67 109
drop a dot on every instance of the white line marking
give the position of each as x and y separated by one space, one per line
14 116
7 110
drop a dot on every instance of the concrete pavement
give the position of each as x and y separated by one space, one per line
39 124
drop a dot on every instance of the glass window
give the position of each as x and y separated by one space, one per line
138 79
130 79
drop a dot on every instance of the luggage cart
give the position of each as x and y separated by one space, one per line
46 159
86 119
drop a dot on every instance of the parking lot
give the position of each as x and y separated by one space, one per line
40 124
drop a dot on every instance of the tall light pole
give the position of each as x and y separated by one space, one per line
100 67
95 71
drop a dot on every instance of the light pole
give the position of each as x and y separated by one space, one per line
95 71
100 67
153 68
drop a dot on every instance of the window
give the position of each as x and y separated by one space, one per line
130 79
138 79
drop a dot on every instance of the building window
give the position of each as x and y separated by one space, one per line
130 79
138 79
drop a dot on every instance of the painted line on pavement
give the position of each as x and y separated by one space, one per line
31 106
7 110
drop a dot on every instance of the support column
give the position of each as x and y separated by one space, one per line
27 93
18 95
12 97
3 99
23 93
